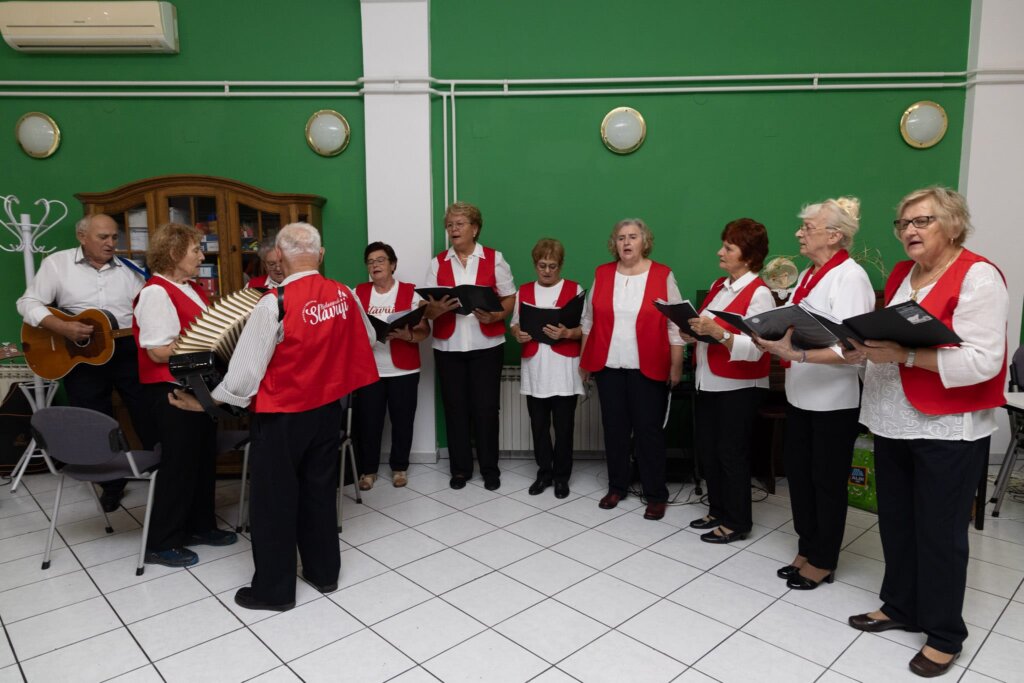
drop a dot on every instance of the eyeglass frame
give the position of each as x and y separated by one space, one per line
380 260
814 228
901 224
547 267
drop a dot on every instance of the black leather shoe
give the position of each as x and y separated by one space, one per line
492 484
538 486
610 501
244 598
863 622
712 537
802 583
110 500
561 489
457 482
926 668
702 523
323 588
788 572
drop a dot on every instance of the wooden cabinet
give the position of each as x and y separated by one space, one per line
234 218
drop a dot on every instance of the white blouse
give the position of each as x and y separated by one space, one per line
157 317
743 348
980 320
627 298
467 335
547 373
844 291
381 306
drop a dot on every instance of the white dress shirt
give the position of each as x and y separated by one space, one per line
381 306
260 337
844 291
66 280
548 373
980 321
743 347
467 335
157 317
627 298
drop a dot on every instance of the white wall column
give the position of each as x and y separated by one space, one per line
396 42
993 150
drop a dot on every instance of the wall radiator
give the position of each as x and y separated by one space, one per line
588 435
11 375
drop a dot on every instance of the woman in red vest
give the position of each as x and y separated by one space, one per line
183 504
398 364
468 349
731 381
822 393
635 355
932 411
550 369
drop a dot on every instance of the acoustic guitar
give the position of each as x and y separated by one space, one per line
51 355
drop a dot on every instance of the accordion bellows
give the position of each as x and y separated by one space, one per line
220 326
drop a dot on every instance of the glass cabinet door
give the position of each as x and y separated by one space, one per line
132 233
255 224
202 212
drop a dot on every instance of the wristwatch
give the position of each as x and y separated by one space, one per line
726 335
911 356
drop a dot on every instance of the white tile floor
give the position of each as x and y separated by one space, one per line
478 586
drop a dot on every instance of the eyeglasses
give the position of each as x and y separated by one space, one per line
457 224
379 261
547 266
918 222
807 228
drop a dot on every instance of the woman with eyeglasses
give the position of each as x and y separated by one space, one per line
468 349
398 364
550 377
822 393
635 355
932 411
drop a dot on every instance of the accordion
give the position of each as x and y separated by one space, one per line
203 351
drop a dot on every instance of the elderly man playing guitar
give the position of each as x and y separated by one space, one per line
90 276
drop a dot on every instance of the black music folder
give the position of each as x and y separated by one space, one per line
681 313
533 319
396 321
469 296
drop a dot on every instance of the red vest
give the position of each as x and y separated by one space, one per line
325 353
564 347
405 355
651 332
260 281
151 372
923 388
444 326
718 354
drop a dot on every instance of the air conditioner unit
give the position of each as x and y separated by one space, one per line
89 26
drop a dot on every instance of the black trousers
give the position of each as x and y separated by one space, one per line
817 456
90 386
925 490
397 396
294 466
725 427
471 390
632 412
184 498
554 461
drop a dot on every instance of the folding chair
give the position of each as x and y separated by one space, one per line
348 449
93 449
238 440
1016 413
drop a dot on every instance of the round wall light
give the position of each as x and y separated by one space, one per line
623 130
923 124
327 133
37 134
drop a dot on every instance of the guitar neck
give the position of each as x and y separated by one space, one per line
117 334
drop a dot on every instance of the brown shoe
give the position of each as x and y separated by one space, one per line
366 482
399 479
926 668
610 501
655 511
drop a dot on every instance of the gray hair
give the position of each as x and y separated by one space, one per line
645 233
82 226
298 238
843 217
267 245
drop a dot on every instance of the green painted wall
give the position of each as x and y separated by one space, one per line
108 142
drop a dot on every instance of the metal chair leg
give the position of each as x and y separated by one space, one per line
53 522
96 497
1005 473
141 568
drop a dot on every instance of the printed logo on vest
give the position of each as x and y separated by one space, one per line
314 312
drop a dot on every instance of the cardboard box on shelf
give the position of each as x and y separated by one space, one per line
138 218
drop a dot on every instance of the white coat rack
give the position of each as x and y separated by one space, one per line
26 235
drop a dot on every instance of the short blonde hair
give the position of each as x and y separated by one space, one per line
548 248
950 209
169 244
470 211
843 217
645 233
